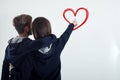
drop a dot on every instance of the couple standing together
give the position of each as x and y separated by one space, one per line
38 59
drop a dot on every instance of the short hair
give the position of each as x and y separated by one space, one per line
41 27
21 21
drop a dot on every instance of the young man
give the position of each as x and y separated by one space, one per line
16 48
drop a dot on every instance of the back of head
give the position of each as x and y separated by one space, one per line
22 21
41 27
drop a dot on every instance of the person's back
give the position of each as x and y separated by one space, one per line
47 64
17 46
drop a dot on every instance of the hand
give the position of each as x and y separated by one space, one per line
75 22
10 66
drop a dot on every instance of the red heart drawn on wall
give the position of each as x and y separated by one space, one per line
75 13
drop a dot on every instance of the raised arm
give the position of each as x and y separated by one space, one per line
62 40
65 36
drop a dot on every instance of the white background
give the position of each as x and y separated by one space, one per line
92 52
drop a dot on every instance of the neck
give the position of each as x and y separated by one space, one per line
23 35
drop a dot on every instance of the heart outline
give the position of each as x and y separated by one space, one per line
75 13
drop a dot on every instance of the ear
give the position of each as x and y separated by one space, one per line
26 29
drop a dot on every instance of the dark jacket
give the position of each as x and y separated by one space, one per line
37 59
15 49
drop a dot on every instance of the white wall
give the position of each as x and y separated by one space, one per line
92 52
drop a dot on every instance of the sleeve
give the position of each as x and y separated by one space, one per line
62 40
5 68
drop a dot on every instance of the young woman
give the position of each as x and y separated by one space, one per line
46 57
